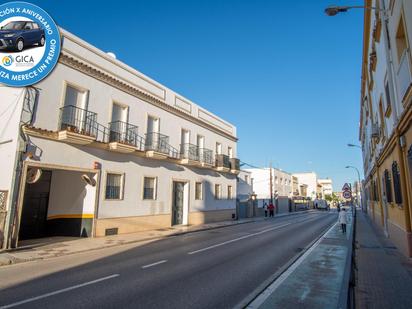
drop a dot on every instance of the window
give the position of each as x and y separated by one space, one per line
198 191
230 152
388 100
218 192
400 39
388 186
75 97
246 178
396 183
28 26
114 184
149 188
229 192
218 148
35 26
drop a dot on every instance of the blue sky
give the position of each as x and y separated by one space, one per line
283 72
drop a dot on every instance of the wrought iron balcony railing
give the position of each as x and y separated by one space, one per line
125 133
78 120
234 164
222 161
189 151
206 156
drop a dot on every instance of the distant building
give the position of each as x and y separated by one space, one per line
281 183
310 179
326 186
244 185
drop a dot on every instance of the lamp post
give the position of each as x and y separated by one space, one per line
333 9
357 196
353 145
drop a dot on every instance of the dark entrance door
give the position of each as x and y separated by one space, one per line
178 198
34 213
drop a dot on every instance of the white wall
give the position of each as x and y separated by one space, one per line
70 195
11 101
134 169
309 179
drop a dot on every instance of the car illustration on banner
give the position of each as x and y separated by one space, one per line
18 35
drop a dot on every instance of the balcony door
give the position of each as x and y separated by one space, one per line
218 148
200 143
74 113
152 136
118 125
230 152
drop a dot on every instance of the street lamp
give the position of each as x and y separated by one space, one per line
357 171
353 145
333 10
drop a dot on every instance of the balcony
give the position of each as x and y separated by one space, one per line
189 154
234 166
222 163
157 147
206 157
77 125
123 137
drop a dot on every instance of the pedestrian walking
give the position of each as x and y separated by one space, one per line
271 209
265 208
343 220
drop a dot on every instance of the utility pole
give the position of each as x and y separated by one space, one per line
271 182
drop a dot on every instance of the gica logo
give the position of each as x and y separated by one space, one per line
7 61
30 44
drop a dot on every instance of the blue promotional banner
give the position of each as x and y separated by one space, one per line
29 44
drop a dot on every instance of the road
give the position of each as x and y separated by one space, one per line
210 269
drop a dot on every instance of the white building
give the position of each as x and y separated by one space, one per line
281 183
327 187
99 148
244 185
310 179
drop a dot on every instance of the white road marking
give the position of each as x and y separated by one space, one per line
271 288
58 292
237 239
154 264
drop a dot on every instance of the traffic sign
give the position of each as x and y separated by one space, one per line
346 187
347 194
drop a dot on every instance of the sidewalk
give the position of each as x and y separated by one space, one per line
384 275
58 246
318 279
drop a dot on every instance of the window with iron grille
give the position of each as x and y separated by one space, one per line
218 192
388 186
114 184
396 183
149 189
229 192
198 191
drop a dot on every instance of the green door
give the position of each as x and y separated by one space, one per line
178 200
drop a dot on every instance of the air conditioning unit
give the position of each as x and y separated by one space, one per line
375 130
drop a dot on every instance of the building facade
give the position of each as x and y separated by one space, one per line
281 183
326 187
310 179
98 148
244 185
386 118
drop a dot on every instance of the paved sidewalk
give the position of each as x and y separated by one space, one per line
319 279
58 246
384 275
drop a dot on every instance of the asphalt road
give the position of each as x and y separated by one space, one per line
210 269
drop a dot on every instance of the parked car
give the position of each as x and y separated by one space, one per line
18 35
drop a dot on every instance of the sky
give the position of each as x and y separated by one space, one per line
285 74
